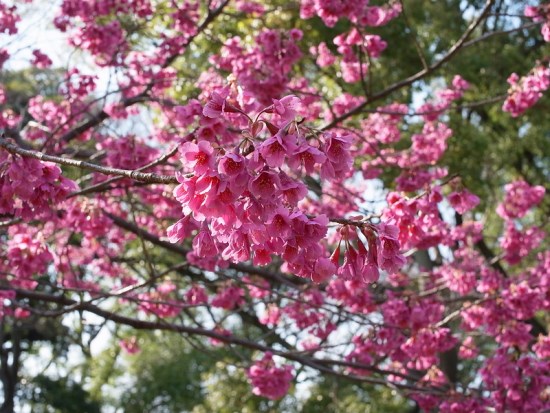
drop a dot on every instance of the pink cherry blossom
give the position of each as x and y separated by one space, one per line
268 380
520 197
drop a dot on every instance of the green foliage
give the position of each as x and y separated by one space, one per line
165 375
227 391
339 395
63 395
169 375
21 85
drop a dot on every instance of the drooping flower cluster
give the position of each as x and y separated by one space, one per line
520 198
267 379
27 256
383 252
246 199
526 91
28 187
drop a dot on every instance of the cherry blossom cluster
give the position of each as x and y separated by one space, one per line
27 256
463 201
262 70
359 12
444 98
229 298
526 91
28 186
418 219
540 14
417 162
516 382
419 350
40 60
104 40
383 252
250 7
519 199
518 244
9 119
160 301
55 117
267 379
351 46
127 152
130 345
247 203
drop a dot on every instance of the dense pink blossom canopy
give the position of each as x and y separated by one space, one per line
255 188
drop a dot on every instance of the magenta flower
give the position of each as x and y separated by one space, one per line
352 267
339 160
180 229
203 243
286 107
324 269
279 224
463 201
217 105
389 257
238 249
265 185
196 295
268 380
307 156
231 164
274 149
293 191
198 157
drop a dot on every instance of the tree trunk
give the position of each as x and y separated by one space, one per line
9 369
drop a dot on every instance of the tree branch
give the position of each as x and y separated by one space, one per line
150 178
322 365
417 76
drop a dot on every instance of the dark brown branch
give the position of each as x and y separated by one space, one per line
321 365
178 249
105 184
150 178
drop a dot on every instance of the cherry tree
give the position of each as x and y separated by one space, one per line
253 175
